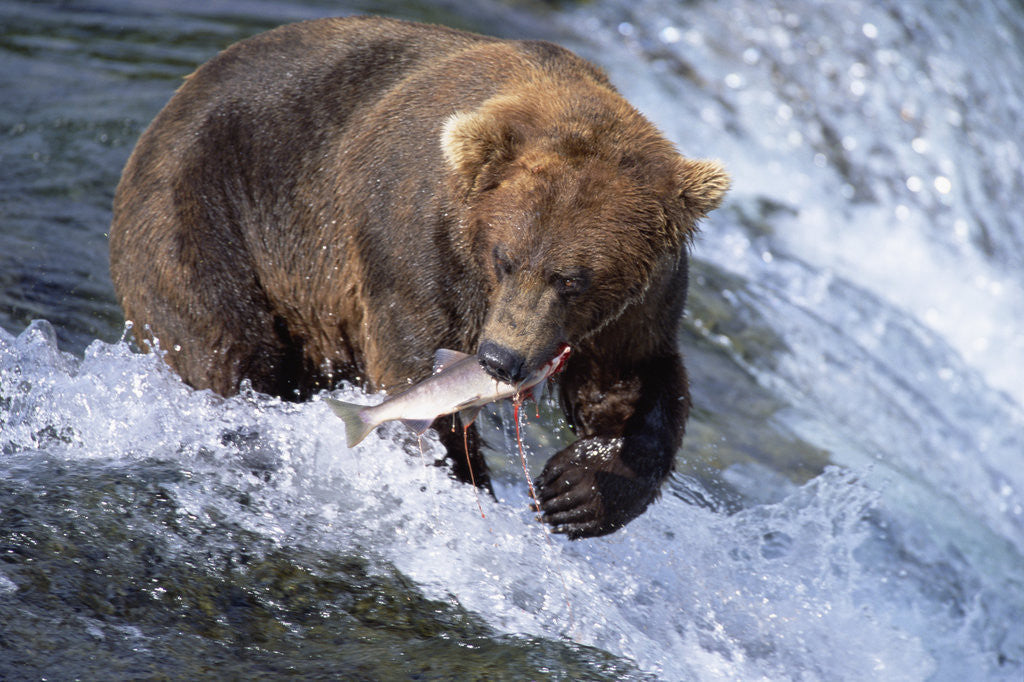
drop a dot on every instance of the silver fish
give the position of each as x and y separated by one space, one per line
459 384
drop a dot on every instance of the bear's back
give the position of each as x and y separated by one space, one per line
298 167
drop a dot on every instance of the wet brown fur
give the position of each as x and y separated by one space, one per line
337 199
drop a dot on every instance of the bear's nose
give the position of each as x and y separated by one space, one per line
501 363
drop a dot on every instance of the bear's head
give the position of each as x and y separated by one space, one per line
571 202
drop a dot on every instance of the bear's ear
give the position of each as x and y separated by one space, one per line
702 186
471 140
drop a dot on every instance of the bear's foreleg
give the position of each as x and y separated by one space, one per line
630 426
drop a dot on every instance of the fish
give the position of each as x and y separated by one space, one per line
458 384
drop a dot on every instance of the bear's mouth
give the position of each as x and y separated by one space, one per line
510 366
533 386
557 363
548 369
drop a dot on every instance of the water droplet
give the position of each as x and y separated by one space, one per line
961 230
669 35
710 116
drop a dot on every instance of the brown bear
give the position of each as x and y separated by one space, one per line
339 198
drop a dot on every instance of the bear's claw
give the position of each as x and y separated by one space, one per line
585 493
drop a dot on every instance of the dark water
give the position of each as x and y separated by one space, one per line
849 502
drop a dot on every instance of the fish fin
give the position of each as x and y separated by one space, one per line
469 415
445 357
418 425
356 429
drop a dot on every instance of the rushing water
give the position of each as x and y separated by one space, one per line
849 502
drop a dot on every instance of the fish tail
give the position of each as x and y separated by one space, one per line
356 428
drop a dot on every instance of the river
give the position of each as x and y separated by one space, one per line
849 500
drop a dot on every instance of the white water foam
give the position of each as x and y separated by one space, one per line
771 592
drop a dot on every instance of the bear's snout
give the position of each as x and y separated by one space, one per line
501 363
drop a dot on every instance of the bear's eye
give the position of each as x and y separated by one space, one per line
572 284
502 263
